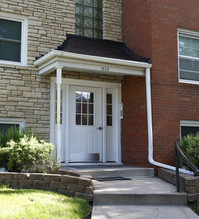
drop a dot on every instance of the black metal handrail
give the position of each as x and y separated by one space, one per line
178 152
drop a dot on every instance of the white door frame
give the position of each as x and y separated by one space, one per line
74 82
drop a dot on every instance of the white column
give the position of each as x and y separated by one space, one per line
59 81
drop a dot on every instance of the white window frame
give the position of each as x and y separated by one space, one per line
188 123
192 34
24 37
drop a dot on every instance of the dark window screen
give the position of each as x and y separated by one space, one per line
185 130
5 127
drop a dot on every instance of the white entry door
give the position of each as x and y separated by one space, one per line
85 126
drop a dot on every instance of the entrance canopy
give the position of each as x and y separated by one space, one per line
83 54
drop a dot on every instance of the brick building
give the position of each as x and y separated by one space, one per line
76 72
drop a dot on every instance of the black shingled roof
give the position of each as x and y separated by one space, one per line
99 47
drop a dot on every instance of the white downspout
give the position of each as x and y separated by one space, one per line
59 81
150 127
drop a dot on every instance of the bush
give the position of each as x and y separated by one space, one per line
190 147
29 154
14 133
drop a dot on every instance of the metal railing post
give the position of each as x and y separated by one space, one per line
177 169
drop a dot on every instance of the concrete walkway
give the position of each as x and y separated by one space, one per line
140 197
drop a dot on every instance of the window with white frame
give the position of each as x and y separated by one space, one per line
188 127
6 123
13 39
188 44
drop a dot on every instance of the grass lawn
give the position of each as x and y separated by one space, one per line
29 203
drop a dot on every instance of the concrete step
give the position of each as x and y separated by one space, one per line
140 199
142 212
118 172
137 191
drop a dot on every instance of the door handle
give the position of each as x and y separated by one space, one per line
99 128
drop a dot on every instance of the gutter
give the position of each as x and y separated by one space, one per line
150 128
63 54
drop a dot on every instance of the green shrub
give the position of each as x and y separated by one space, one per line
190 147
29 154
14 133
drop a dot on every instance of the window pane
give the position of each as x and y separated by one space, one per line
79 10
90 120
10 29
189 75
109 109
90 97
78 119
78 107
90 108
185 130
4 127
84 119
109 98
88 22
109 120
84 108
88 3
78 96
10 51
97 3
189 64
88 12
88 32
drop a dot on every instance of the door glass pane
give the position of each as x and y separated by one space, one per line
90 120
109 110
84 108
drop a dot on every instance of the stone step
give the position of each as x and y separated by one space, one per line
140 199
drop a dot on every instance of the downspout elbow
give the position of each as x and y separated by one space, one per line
150 127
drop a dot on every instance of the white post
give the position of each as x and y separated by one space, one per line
59 81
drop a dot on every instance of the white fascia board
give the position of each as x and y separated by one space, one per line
79 62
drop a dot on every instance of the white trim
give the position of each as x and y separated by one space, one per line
183 81
104 124
190 34
20 122
59 137
90 64
74 82
188 123
24 36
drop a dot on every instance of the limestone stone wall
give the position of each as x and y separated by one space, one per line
112 20
65 184
23 93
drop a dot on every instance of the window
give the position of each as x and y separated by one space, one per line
89 18
188 56
109 113
188 127
84 108
13 39
8 123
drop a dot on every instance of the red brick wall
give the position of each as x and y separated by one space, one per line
134 124
171 101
